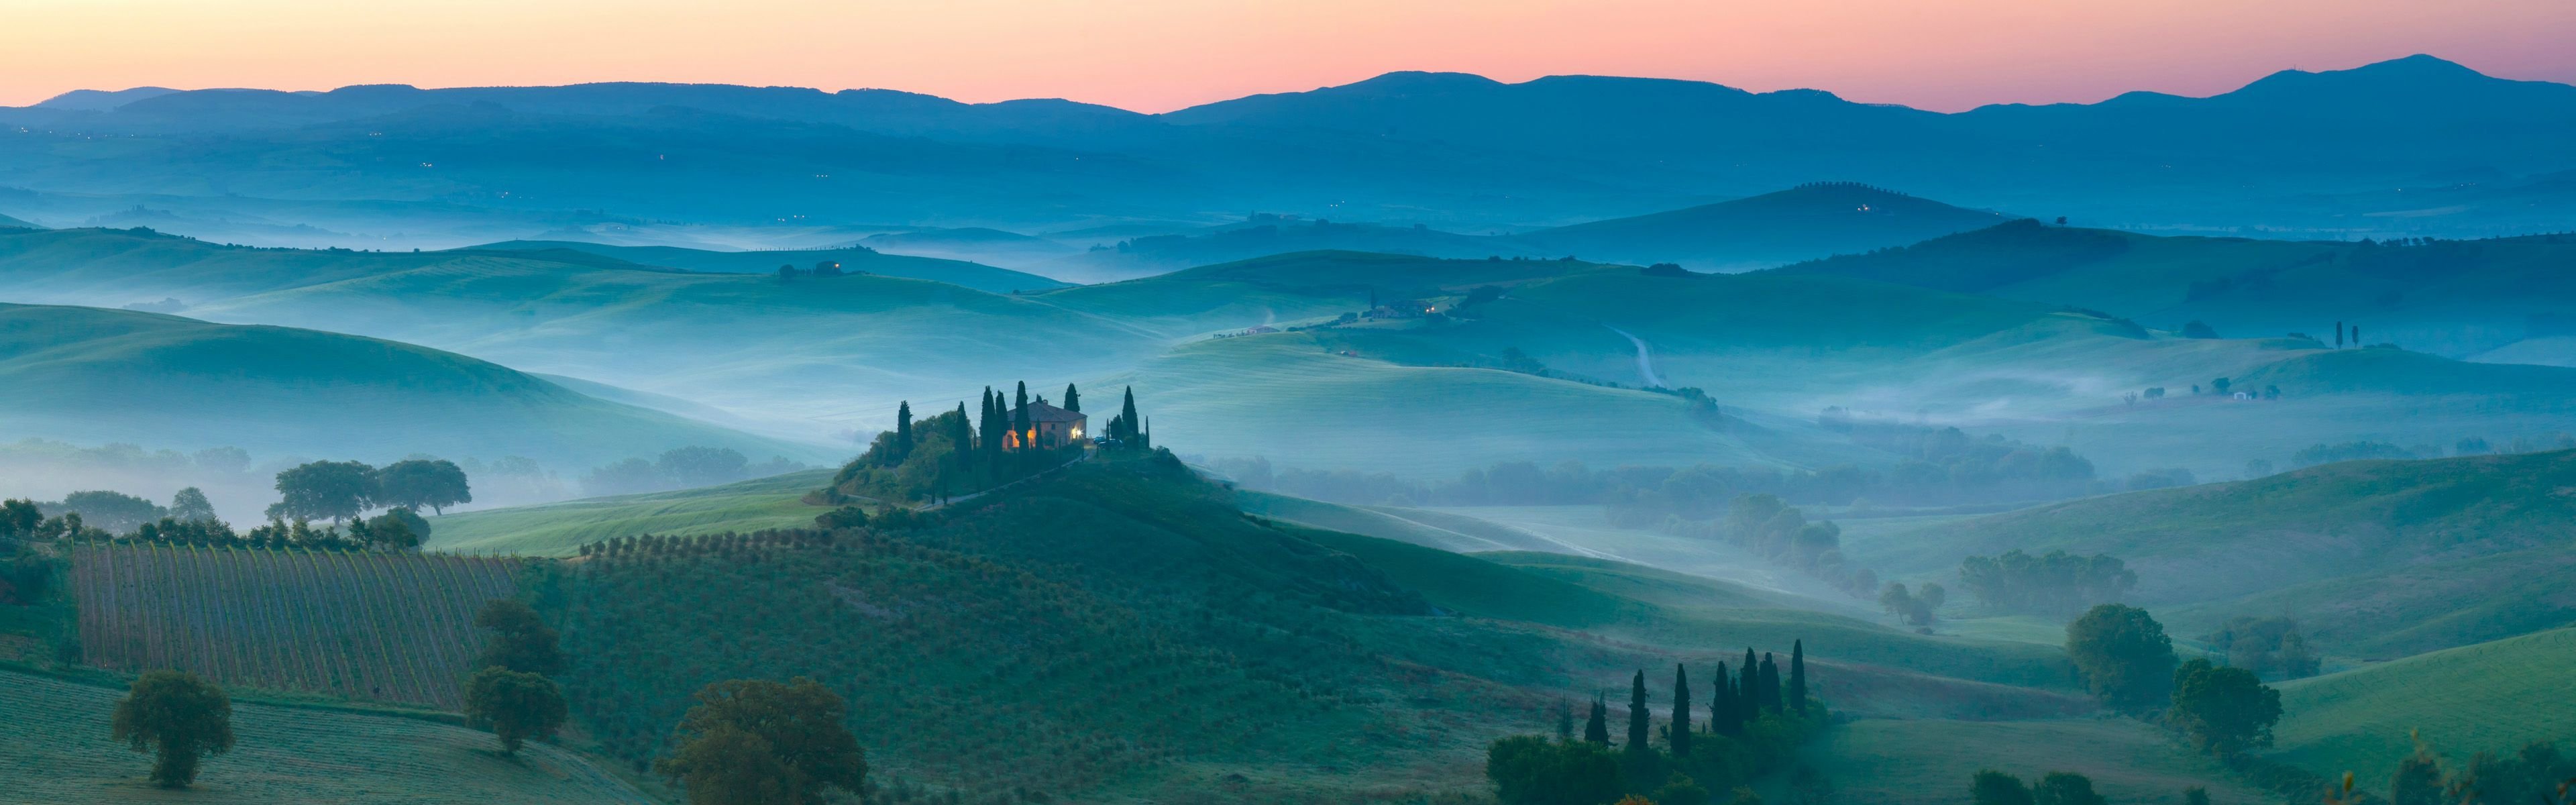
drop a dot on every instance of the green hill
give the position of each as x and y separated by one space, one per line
2454 298
560 529
955 272
6 221
93 375
57 751
2382 555
1800 223
2487 697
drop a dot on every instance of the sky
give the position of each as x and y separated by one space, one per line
1158 55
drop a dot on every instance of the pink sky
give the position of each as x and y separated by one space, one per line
1156 55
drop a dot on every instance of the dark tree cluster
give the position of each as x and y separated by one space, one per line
2269 646
512 692
1990 787
759 741
2052 584
177 716
1757 714
952 453
2124 656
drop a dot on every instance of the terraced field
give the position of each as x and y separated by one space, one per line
383 627
57 751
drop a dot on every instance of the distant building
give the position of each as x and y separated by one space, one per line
1049 426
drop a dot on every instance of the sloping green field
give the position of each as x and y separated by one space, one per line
2488 697
56 750
560 529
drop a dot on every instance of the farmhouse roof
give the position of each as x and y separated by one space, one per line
1042 412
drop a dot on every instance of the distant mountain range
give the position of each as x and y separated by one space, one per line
2297 151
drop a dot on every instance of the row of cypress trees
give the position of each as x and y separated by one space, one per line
1739 697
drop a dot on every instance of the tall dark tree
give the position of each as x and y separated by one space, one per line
1127 414
1721 704
1798 676
520 641
1072 399
179 718
1748 687
517 705
2123 654
2224 710
1639 728
755 740
1022 432
416 483
1770 683
1680 736
902 431
1596 728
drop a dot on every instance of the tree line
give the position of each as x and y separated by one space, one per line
2057 583
687 467
334 490
1757 714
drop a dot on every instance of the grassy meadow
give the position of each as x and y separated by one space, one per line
2489 697
560 529
57 751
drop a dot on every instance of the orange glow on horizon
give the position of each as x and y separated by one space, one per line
1157 55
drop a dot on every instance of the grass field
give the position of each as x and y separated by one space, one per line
1930 761
56 750
560 529
367 626
2488 697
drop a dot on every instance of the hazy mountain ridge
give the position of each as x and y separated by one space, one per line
1474 152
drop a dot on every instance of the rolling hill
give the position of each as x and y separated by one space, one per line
2491 697
2376 557
1801 223
954 272
1348 648
86 374
2473 298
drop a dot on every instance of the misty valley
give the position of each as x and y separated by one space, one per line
1426 439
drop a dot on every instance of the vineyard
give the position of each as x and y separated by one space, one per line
386 627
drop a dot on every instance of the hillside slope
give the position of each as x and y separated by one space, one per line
57 751
2491 697
2393 555
93 375
954 272
1801 223
2458 298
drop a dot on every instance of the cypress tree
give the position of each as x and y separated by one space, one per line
1680 739
1770 683
1028 439
1596 729
1798 676
902 431
1072 399
1721 703
1638 730
1748 689
1023 398
1127 414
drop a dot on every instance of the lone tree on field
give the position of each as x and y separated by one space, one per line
520 640
179 718
2124 655
1798 676
417 483
517 704
754 740
2224 709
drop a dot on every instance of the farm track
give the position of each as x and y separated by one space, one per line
360 625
